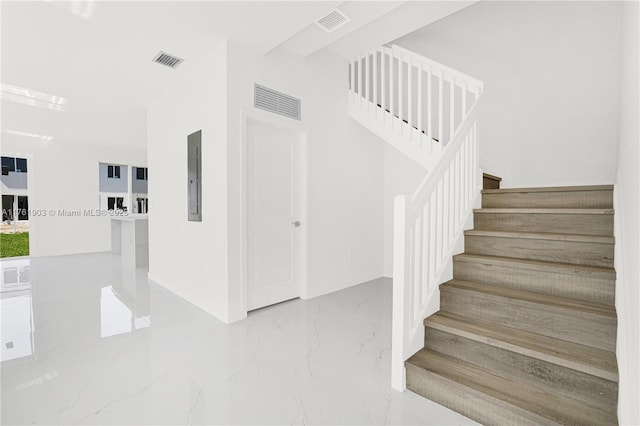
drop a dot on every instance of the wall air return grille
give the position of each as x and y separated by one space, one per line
276 102
165 59
332 21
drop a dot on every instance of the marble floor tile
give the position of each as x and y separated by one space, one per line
86 342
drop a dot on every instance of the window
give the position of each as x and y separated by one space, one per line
141 173
21 165
11 164
113 172
8 165
23 207
115 203
143 205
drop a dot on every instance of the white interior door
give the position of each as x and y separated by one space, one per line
274 230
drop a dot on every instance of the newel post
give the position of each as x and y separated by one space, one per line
400 314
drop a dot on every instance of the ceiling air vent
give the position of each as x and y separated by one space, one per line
170 61
334 20
276 102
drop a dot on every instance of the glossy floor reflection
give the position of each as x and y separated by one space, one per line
87 343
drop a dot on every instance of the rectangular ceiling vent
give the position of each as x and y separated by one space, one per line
165 59
334 20
276 102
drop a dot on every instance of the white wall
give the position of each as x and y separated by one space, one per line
627 197
190 258
401 176
64 176
549 112
345 163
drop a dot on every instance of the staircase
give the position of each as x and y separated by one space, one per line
526 331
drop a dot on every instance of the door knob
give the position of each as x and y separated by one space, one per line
295 224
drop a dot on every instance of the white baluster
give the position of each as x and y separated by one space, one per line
465 153
361 76
411 274
445 209
440 196
430 132
375 81
383 84
477 155
458 165
424 285
452 206
367 92
440 110
464 102
400 93
420 102
410 96
353 76
417 261
392 106
452 111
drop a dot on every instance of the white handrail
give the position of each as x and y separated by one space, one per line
438 66
429 112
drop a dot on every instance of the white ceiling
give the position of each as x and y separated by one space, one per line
97 54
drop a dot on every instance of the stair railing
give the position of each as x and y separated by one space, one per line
414 103
430 113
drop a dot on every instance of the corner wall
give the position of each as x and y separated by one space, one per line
190 258
627 200
550 69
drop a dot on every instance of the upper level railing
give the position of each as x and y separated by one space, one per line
414 103
429 112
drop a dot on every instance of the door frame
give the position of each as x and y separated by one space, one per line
286 124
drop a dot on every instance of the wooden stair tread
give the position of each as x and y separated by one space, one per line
602 239
556 408
506 210
550 189
562 268
578 306
586 359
